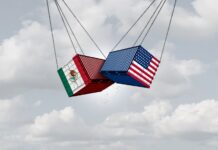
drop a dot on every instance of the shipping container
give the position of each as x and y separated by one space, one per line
82 76
131 66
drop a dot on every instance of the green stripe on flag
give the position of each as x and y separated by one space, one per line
65 82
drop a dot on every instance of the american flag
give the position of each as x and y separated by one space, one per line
144 67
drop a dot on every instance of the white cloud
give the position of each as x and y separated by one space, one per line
201 23
25 46
26 60
191 118
11 110
65 128
15 114
160 120
157 120
57 124
190 67
140 122
210 6
65 125
175 76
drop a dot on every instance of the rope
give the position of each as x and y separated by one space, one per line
143 13
71 11
168 29
153 22
64 18
148 23
52 34
65 25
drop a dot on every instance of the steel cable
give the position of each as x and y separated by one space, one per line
153 22
150 19
88 34
168 29
52 34
143 13
64 19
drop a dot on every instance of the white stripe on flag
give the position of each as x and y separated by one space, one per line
145 70
140 72
140 78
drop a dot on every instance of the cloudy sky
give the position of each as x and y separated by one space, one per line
179 111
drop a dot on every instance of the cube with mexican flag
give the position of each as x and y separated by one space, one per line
82 76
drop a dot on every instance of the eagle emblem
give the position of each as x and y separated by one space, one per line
73 75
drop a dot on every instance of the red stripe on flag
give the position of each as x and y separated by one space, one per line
155 69
143 71
151 71
143 77
146 70
156 59
139 80
156 64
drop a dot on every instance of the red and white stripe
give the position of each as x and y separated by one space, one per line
142 75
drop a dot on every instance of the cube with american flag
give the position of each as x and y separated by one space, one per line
132 66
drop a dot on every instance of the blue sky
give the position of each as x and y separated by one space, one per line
178 112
